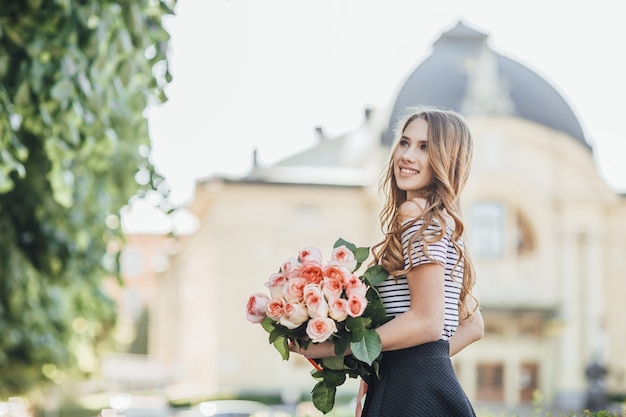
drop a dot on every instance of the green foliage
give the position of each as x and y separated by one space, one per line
75 79
368 348
324 396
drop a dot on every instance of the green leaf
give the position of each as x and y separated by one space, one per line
334 378
281 344
62 90
368 348
341 344
375 275
22 96
376 311
333 362
277 333
361 254
268 324
62 183
376 368
323 397
356 327
343 242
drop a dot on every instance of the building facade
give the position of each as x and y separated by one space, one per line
546 233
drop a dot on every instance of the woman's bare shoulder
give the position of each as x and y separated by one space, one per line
412 209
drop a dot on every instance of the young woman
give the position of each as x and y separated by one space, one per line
429 290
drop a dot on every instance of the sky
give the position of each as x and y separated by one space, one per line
262 74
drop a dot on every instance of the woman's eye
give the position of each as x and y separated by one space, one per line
404 142
424 147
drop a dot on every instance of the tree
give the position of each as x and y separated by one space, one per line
75 79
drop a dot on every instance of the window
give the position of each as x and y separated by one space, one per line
528 381
490 386
496 230
487 229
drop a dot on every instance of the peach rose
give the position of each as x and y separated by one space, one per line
332 287
356 305
355 286
338 308
315 301
312 272
256 307
295 314
336 271
276 283
310 254
276 308
311 290
320 329
294 289
295 271
345 257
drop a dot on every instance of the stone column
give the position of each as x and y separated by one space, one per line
569 385
593 299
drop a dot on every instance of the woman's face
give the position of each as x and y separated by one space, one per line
411 164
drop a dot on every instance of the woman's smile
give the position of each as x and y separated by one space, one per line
408 171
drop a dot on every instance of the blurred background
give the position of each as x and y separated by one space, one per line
161 159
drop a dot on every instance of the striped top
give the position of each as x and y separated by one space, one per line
394 292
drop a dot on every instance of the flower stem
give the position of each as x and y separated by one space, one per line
315 364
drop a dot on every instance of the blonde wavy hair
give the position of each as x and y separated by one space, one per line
450 150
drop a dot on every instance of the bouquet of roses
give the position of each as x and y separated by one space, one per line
310 301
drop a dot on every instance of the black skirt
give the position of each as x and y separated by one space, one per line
418 381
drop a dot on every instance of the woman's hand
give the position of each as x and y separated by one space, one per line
315 350
469 330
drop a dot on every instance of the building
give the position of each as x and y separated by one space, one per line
547 234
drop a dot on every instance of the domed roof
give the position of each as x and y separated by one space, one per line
465 74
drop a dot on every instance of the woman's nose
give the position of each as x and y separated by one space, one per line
408 155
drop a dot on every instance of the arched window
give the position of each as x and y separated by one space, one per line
497 230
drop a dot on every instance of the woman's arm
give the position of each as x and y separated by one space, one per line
424 320
470 329
421 323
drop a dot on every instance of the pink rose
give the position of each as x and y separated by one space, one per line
312 272
332 287
275 284
295 271
336 271
355 286
256 307
295 314
289 265
275 308
338 308
356 305
294 289
320 329
345 257
311 290
310 254
315 301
